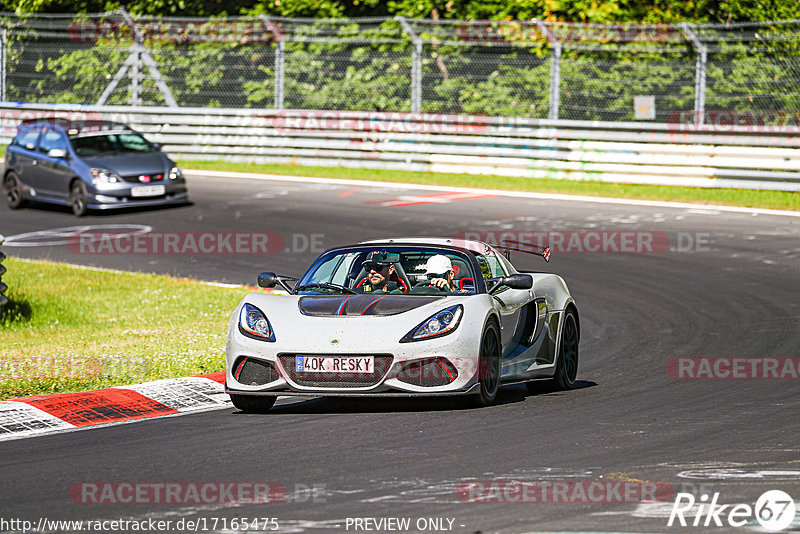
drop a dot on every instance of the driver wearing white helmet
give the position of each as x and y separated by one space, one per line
439 272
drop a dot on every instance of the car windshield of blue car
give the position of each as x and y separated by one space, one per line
108 143
393 270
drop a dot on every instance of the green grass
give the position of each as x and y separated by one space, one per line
729 197
70 329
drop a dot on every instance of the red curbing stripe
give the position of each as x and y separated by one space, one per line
101 406
419 202
216 377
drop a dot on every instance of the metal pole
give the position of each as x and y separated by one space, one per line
416 65
129 61
280 58
280 55
700 83
555 81
416 78
135 88
700 72
3 35
555 69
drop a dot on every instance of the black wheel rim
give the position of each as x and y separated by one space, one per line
12 190
490 374
77 199
569 349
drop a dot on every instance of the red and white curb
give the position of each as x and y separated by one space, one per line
44 414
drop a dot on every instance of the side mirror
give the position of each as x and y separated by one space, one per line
157 146
267 279
272 280
518 281
513 281
57 153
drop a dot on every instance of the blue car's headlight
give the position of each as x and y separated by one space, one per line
439 324
253 323
105 176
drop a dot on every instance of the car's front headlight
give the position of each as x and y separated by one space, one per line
105 176
439 324
175 173
253 323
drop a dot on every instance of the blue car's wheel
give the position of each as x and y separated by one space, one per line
77 198
12 190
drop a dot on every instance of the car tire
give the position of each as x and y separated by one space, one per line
567 363
253 403
77 198
489 360
12 190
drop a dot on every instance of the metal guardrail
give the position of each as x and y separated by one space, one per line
3 287
749 157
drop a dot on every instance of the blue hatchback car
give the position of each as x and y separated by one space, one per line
89 165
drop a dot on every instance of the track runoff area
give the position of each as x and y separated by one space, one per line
684 414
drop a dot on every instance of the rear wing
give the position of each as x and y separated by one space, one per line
508 246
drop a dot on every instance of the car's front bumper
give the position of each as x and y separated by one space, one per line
343 393
105 196
105 202
395 380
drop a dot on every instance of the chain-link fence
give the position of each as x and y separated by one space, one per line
499 68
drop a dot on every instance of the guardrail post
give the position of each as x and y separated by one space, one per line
555 69
700 72
3 287
416 65
280 57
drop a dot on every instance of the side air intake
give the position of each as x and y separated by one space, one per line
252 372
429 372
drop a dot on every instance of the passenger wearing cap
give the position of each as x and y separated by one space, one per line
440 273
379 266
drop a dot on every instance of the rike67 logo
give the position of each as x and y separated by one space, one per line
775 511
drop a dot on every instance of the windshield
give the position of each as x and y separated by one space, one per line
92 145
398 270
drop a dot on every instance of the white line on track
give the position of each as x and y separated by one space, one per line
701 208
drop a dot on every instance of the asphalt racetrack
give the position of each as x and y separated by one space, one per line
714 284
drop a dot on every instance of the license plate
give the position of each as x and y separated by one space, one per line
148 191
335 364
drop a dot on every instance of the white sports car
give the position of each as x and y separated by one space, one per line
403 317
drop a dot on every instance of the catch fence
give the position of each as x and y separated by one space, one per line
530 69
